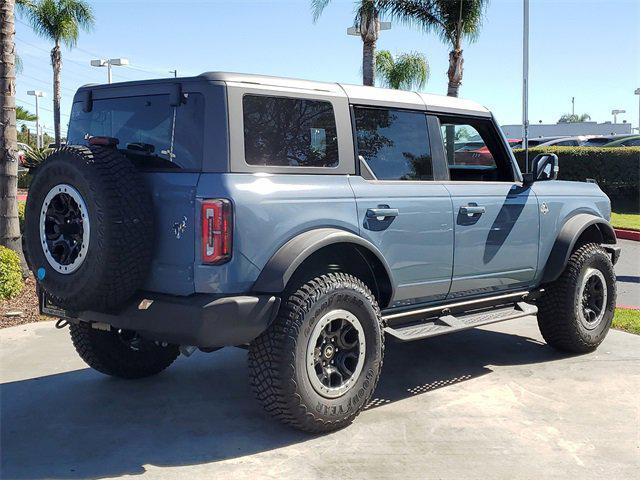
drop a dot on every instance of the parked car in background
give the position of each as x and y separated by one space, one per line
475 152
632 141
603 140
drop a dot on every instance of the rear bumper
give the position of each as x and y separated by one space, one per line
201 320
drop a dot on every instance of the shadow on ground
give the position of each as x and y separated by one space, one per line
80 424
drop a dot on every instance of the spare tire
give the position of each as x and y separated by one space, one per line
89 228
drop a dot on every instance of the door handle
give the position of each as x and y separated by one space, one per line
472 210
382 212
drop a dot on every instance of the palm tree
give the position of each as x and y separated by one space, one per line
574 118
24 115
59 21
367 20
407 71
452 20
9 224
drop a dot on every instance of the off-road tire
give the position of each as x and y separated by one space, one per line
558 308
277 358
105 352
120 243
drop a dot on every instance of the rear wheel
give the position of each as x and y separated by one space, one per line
317 365
576 311
121 353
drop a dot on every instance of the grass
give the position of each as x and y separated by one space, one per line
627 320
630 221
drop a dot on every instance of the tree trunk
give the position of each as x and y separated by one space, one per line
455 72
9 226
56 63
368 63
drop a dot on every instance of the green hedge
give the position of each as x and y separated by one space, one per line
11 283
617 170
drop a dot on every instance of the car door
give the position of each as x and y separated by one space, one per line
496 221
401 209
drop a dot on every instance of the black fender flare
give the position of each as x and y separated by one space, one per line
282 265
567 238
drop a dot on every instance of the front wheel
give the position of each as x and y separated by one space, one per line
575 312
317 365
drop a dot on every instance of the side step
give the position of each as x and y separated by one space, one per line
450 323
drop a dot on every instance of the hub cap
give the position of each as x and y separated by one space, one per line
593 298
335 353
64 228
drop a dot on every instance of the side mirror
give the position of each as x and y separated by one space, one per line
543 167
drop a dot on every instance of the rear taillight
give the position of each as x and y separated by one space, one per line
217 229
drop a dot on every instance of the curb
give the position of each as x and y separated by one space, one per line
627 234
627 307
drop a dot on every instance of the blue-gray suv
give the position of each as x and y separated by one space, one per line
304 221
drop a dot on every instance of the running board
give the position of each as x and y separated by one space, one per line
450 323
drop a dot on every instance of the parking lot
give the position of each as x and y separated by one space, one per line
489 403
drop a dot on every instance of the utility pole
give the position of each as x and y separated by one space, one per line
637 92
573 105
525 83
37 94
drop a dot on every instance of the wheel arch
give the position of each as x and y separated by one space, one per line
323 247
578 230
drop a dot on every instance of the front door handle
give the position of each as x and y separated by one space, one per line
382 212
472 209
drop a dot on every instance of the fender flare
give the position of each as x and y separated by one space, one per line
282 265
567 238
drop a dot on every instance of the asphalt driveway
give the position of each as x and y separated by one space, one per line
487 403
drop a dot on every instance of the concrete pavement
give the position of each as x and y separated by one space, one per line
628 274
488 403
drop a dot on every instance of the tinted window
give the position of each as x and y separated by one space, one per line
394 143
291 132
468 146
150 131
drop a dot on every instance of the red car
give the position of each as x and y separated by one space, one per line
477 153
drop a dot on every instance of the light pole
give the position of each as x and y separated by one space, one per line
525 83
175 73
37 94
637 92
116 62
615 114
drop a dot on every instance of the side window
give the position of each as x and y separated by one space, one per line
151 132
474 150
394 143
295 132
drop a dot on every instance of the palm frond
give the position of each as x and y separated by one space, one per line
407 71
24 115
60 20
317 7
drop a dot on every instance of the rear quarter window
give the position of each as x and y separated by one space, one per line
294 132
152 133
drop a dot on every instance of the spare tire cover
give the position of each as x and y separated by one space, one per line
89 228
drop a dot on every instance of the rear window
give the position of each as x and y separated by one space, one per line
151 132
293 132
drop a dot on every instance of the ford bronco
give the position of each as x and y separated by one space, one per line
304 221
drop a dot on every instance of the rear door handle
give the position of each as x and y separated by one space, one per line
472 209
382 212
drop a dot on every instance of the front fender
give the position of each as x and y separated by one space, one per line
566 241
282 265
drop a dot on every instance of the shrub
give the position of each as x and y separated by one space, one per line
610 167
11 282
24 180
617 169
21 207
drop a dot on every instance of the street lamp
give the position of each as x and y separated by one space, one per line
37 94
637 92
116 62
615 114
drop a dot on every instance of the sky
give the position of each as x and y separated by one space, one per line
585 49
